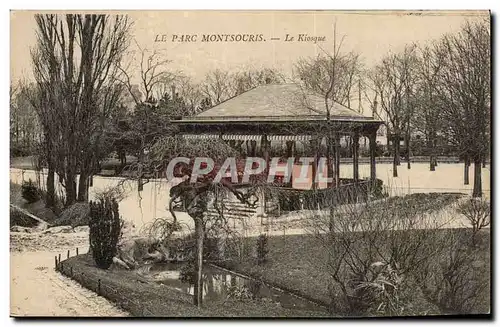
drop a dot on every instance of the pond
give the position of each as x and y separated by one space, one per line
219 284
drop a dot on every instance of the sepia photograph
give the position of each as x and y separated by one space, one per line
319 164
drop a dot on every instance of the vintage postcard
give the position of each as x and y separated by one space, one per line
321 164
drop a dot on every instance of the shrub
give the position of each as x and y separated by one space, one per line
459 281
105 230
188 273
377 189
30 192
262 248
211 250
18 218
240 293
378 290
477 212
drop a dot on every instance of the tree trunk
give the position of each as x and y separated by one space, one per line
123 160
50 197
395 145
466 170
289 149
70 189
336 154
83 186
477 191
397 148
408 157
198 284
140 185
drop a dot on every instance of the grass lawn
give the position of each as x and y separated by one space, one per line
296 263
134 294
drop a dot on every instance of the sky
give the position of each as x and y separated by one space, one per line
371 33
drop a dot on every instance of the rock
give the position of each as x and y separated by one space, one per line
41 227
21 229
75 215
82 229
59 229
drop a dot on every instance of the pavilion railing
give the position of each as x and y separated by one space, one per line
290 199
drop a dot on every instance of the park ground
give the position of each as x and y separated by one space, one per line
36 289
142 208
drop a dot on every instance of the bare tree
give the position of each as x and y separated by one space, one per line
249 78
477 212
153 76
394 81
153 73
217 86
40 100
75 62
191 93
336 74
465 93
24 127
428 119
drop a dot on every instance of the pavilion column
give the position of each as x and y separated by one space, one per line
337 159
265 144
355 156
289 148
373 147
239 146
252 147
314 142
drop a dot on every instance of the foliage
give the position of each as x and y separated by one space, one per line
377 190
18 218
457 279
477 211
404 236
74 215
262 248
377 290
211 249
111 192
240 293
105 230
188 273
30 191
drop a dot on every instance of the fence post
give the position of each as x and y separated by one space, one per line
67 255
59 260
55 260
99 286
76 251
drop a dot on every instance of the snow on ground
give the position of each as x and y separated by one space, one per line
36 289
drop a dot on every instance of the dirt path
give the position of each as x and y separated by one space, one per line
36 289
